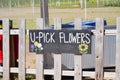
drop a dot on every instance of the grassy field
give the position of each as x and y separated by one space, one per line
67 14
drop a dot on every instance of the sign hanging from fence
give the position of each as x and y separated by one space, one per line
60 41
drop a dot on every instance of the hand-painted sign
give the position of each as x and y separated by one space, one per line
60 41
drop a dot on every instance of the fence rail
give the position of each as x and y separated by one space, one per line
57 71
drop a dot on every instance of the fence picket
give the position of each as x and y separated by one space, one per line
6 49
39 56
99 49
118 50
39 67
22 49
57 56
78 58
57 66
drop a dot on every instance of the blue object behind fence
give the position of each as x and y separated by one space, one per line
85 24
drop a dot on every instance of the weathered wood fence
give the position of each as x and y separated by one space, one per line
57 71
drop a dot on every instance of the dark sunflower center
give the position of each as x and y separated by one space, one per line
83 47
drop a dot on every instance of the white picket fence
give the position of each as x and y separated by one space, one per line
57 71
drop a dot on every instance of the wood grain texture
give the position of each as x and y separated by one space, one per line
22 49
99 49
78 67
57 56
78 58
39 56
57 67
39 67
6 50
78 24
57 23
118 50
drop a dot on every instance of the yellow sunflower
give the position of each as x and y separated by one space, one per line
83 47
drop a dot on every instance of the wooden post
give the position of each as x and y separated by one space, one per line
57 23
6 49
39 67
57 56
22 49
99 49
78 57
39 56
118 50
44 12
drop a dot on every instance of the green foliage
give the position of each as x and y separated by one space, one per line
29 77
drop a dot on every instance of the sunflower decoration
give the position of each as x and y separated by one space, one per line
37 47
83 48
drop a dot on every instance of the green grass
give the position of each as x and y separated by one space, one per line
1 78
28 77
67 15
